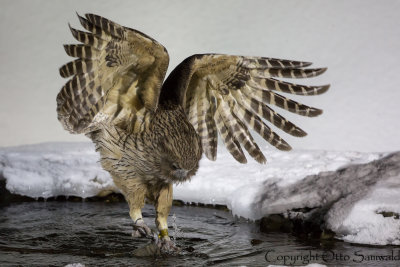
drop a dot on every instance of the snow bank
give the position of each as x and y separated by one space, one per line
54 169
228 182
73 169
289 180
360 203
373 219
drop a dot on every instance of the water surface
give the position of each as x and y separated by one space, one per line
99 234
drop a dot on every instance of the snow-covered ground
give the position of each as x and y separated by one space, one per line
288 180
361 220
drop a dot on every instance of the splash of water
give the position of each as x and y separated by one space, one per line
177 233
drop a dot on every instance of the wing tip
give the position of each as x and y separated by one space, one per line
261 159
321 71
323 88
63 72
298 132
314 112
67 49
82 20
242 160
283 145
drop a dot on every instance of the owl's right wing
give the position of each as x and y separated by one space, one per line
116 79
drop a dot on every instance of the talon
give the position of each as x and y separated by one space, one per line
168 247
140 229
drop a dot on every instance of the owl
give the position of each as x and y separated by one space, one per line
151 133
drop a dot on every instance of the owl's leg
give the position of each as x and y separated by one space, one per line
135 192
163 203
136 200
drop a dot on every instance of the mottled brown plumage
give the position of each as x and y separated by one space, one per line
150 134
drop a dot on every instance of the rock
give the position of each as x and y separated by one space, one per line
314 204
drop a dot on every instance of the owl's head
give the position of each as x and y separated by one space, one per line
181 153
176 171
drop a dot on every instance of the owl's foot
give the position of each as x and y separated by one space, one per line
167 246
140 229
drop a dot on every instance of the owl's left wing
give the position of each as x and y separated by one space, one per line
232 94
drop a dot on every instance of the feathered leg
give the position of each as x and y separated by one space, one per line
135 192
163 203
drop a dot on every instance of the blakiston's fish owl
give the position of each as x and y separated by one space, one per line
152 134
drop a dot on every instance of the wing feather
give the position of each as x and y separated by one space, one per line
211 140
286 87
206 126
82 51
256 124
232 94
88 38
265 62
287 73
228 139
272 98
237 128
116 77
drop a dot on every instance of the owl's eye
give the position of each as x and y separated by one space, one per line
175 166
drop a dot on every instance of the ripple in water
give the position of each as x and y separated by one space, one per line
99 234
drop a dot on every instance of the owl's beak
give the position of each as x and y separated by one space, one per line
181 173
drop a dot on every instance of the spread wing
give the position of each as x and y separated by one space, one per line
116 77
232 94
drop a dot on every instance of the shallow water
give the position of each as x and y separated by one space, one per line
99 234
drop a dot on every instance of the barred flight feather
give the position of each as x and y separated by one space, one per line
286 87
268 114
78 66
211 141
229 140
281 101
256 123
264 62
244 88
82 51
88 38
111 59
238 129
287 73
